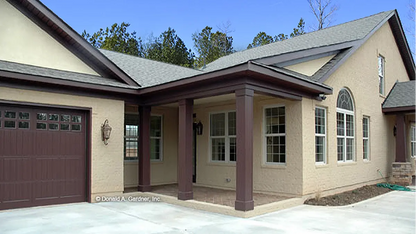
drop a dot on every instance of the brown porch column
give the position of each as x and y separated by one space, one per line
185 150
244 187
144 148
400 138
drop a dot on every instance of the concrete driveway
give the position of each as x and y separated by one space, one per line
393 212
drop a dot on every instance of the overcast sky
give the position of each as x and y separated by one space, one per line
247 18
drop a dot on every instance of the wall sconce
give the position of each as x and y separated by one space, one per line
198 128
105 131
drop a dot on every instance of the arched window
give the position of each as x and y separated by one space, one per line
345 126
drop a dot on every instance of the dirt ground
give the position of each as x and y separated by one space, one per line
349 197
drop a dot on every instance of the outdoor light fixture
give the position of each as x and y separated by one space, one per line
105 131
198 128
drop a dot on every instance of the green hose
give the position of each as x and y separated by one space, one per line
393 187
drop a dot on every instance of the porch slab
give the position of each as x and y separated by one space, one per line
218 200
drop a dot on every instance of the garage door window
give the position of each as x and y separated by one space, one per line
9 119
56 122
24 118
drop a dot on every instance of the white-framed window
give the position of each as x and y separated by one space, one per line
223 136
275 134
366 138
345 127
320 135
413 140
131 137
156 137
381 63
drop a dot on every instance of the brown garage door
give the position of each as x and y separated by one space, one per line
42 156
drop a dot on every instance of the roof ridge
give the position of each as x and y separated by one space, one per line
151 60
301 36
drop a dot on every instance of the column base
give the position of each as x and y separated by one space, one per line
244 205
401 173
185 195
144 188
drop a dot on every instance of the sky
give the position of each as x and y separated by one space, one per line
246 18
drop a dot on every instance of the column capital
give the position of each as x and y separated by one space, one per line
244 92
184 102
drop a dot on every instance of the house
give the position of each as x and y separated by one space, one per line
322 112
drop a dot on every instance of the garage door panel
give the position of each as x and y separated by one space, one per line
43 158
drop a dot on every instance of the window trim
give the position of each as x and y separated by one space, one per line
226 136
161 138
381 77
345 112
264 135
136 159
367 138
412 126
324 162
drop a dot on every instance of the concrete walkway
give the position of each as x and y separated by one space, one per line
393 212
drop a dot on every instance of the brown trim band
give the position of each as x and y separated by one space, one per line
395 110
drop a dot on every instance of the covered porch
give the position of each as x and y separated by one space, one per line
400 103
241 85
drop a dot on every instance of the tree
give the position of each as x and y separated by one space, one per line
263 39
323 11
116 38
169 48
211 46
300 29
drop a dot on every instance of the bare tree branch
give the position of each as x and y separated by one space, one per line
323 10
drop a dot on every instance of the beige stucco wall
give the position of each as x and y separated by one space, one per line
22 41
164 171
282 179
107 160
310 67
360 75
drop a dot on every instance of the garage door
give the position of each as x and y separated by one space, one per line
42 156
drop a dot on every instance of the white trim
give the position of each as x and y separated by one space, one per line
367 138
160 138
345 112
322 135
264 136
383 75
226 137
412 142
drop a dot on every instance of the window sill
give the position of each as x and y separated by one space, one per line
348 163
274 165
382 96
321 165
366 161
222 163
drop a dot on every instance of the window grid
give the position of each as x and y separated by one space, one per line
320 135
366 138
275 134
345 127
381 65
413 140
156 137
223 142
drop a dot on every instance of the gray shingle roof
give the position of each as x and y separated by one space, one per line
59 74
401 95
147 72
350 31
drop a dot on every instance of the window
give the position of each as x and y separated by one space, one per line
156 137
381 74
275 134
131 137
320 135
223 136
366 138
345 127
413 140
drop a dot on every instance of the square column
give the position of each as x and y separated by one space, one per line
244 187
185 150
144 148
400 138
